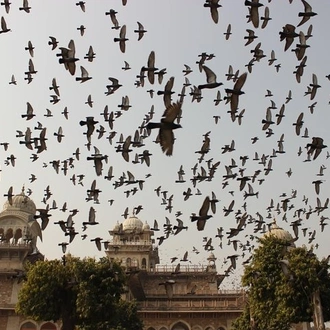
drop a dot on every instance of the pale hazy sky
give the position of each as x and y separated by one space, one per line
177 31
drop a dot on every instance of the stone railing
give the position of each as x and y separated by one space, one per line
193 303
183 268
120 243
19 245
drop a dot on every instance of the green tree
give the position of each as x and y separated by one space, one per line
82 293
281 282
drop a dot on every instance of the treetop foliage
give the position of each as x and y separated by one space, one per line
81 292
280 282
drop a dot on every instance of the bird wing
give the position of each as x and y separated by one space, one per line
210 75
171 112
84 72
205 207
91 215
240 81
166 140
151 60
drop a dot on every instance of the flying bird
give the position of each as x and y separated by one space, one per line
211 79
53 42
141 31
202 215
288 34
166 127
84 75
90 55
213 5
306 14
236 91
25 7
315 147
122 39
168 285
67 57
253 11
228 32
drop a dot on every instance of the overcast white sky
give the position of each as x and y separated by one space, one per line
177 31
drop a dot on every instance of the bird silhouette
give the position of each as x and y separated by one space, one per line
166 127
122 39
306 14
202 215
211 79
140 31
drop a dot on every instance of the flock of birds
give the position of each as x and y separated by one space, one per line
232 177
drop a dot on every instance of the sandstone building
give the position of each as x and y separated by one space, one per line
169 298
18 235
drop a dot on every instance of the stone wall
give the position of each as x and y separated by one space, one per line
6 289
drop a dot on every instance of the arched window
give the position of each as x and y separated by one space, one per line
18 235
9 234
28 326
144 263
135 262
137 238
128 262
48 326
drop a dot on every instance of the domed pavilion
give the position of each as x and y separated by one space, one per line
276 231
18 232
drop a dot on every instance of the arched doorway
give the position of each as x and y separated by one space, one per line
28 326
48 326
144 263
180 326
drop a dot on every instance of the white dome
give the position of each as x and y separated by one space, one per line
21 202
132 223
279 233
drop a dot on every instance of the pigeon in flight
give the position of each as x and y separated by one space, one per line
166 127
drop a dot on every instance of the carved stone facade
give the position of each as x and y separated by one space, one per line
171 297
18 236
195 303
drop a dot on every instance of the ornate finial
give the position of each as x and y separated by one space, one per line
23 189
